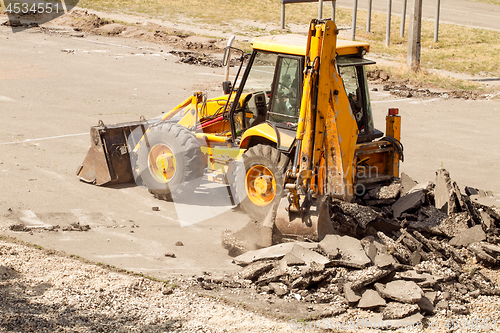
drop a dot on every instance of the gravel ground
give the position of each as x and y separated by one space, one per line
43 292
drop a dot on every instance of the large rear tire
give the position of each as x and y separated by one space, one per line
170 161
258 181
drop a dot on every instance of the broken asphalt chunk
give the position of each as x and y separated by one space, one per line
385 192
406 183
361 214
351 295
468 236
364 277
396 310
408 202
256 269
350 251
277 251
401 291
378 322
370 299
445 197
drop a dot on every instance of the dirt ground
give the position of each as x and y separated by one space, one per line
61 79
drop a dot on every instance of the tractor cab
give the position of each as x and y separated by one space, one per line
270 90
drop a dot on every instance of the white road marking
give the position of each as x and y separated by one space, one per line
111 44
32 220
6 99
210 74
82 216
123 255
392 101
42 139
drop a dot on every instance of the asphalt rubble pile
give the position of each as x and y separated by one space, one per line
402 88
403 251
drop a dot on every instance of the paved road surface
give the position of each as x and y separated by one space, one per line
463 12
54 87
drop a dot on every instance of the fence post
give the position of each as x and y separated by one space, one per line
388 28
320 10
436 24
403 19
334 3
414 35
354 17
369 17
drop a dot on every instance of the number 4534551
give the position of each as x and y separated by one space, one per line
25 8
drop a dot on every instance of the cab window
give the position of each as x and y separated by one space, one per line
286 92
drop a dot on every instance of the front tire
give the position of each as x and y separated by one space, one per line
258 180
170 161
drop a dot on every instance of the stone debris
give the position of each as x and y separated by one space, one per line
76 227
401 291
407 256
364 277
445 197
411 201
362 215
371 299
395 310
345 251
197 58
468 236
351 295
49 292
406 183
273 252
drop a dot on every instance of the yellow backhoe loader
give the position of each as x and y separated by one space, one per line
293 132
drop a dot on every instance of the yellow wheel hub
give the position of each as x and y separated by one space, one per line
162 163
260 185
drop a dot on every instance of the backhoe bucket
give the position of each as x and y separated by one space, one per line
108 159
313 224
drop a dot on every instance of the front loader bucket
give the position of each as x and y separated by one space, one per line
313 224
108 159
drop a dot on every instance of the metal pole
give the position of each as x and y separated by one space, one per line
403 18
320 10
388 28
436 24
334 2
369 17
414 35
282 15
354 14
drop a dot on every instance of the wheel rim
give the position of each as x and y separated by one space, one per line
260 185
161 161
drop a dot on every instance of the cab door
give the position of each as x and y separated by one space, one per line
286 92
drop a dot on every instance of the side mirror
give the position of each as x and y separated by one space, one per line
227 87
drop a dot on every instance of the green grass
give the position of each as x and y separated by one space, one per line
491 2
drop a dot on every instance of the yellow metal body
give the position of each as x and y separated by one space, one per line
326 134
393 129
297 45
267 132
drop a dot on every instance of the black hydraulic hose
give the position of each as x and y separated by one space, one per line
278 138
397 144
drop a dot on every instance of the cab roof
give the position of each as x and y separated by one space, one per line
296 45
